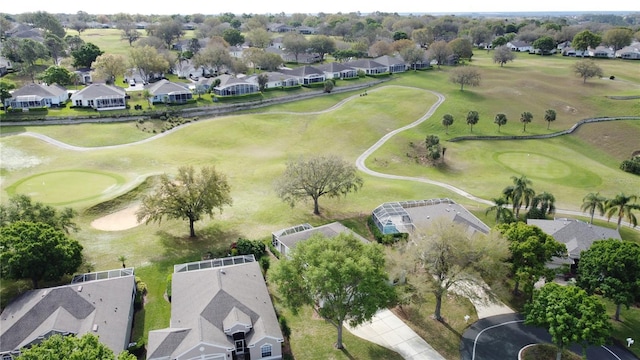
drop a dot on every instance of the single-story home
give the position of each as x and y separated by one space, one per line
232 86
601 52
100 303
5 66
575 234
306 75
569 51
335 70
280 28
520 46
306 30
631 52
100 97
418 215
370 67
37 96
275 80
169 92
84 76
394 64
220 309
285 240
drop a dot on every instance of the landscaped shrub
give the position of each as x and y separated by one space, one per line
169 280
272 248
141 291
631 165
265 263
246 247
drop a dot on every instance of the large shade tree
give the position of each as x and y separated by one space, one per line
587 69
322 45
343 277
530 249
21 207
570 315
502 55
188 196
611 268
109 66
147 61
465 75
622 206
315 177
451 256
617 38
85 55
585 40
37 251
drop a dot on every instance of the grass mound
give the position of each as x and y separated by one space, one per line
123 200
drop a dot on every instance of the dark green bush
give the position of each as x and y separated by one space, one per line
631 165
246 247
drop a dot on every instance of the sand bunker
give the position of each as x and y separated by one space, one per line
117 221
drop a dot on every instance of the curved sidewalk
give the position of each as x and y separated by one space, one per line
386 329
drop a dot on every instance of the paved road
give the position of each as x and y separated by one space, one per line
502 336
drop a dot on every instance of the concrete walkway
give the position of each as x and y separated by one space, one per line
386 329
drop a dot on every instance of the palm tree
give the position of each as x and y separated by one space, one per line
503 214
546 201
122 259
447 120
622 206
549 116
526 118
593 202
519 193
472 118
147 95
501 119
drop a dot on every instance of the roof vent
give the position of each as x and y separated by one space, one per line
80 288
95 327
222 271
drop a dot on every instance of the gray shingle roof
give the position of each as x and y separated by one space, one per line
164 87
334 67
575 234
94 91
105 304
364 64
202 300
389 60
329 230
45 91
303 71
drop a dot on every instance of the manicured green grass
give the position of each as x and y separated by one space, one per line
252 150
628 326
66 186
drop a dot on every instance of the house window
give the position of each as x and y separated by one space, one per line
90 103
265 350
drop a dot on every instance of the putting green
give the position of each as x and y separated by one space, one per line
534 165
545 167
66 186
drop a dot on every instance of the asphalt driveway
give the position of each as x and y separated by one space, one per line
502 336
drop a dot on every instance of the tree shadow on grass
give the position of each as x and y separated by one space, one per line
211 241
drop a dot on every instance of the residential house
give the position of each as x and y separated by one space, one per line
520 46
165 91
600 52
280 28
100 97
394 64
569 51
334 70
37 96
84 76
575 234
370 67
285 240
220 309
306 75
306 30
236 51
275 80
418 215
99 303
5 66
233 86
631 52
